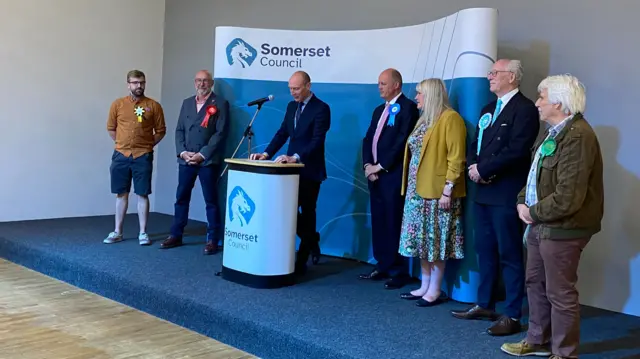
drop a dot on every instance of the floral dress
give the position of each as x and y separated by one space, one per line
429 232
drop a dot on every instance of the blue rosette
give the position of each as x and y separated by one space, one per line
393 111
484 122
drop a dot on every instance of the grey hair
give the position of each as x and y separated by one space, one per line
567 91
515 67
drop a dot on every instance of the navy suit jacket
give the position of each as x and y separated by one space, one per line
505 153
307 139
392 139
210 140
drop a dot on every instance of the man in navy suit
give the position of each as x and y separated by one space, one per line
201 132
382 156
305 125
498 162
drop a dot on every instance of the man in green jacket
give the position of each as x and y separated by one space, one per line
562 205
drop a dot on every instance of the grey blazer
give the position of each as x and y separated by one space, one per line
210 140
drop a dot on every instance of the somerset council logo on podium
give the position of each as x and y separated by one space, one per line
241 206
241 209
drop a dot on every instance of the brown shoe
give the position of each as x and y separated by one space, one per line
475 312
522 349
505 326
171 242
211 248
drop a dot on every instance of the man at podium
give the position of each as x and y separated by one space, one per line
305 124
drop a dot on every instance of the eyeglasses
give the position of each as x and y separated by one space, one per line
495 72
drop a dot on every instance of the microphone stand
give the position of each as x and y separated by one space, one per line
248 134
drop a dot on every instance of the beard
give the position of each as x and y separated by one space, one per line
203 92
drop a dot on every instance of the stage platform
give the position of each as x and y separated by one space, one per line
331 314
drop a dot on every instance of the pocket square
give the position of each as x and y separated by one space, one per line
503 125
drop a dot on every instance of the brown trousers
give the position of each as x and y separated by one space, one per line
554 307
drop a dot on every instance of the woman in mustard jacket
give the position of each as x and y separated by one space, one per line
434 183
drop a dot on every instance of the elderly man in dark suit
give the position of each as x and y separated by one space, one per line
201 132
383 156
305 124
499 163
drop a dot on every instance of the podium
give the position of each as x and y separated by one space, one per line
260 223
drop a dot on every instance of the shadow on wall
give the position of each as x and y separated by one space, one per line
535 63
606 269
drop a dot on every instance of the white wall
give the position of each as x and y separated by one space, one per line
62 63
589 38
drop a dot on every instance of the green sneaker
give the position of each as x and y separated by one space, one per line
523 349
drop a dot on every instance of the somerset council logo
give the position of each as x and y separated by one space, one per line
241 206
240 53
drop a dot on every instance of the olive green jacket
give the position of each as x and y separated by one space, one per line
570 184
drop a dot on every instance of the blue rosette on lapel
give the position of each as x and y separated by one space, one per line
393 111
484 122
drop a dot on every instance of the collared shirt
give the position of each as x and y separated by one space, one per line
135 138
393 100
388 103
531 196
305 102
200 103
506 98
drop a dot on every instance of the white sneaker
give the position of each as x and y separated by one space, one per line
144 240
113 237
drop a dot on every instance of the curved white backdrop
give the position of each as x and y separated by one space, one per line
344 68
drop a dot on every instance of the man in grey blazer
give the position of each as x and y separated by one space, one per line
202 128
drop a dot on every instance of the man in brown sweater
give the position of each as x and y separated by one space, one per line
563 205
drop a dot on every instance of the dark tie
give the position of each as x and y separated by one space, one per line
297 115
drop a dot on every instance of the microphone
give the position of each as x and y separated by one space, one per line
260 101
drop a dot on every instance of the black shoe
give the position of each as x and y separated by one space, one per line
425 303
300 268
396 282
375 275
315 249
409 296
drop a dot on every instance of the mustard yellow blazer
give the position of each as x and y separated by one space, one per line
442 158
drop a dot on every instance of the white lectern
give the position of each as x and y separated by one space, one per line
260 223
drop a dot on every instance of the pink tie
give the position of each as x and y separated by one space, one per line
376 137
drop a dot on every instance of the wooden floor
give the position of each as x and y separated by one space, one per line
41 317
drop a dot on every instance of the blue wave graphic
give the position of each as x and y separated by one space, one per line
343 205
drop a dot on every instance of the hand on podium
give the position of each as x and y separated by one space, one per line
258 156
286 159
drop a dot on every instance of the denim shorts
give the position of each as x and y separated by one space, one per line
124 170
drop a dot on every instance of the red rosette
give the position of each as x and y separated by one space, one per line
211 110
